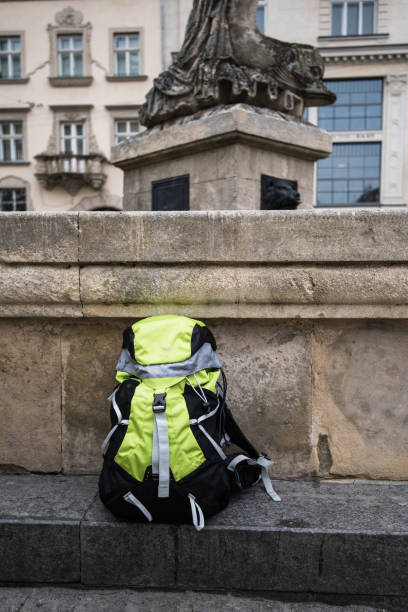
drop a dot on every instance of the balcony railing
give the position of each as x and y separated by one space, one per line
71 172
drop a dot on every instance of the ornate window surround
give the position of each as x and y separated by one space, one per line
80 113
16 114
70 21
23 79
139 77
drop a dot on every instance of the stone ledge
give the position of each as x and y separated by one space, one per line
234 123
304 236
233 291
336 537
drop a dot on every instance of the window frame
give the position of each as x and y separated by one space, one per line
17 115
74 139
14 203
128 133
15 182
351 105
113 76
21 35
264 5
360 136
71 52
69 22
347 178
127 52
125 112
344 23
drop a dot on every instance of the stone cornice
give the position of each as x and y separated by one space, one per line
364 53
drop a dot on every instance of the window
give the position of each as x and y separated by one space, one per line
352 18
12 200
70 49
70 55
350 176
126 54
125 128
10 57
11 141
358 106
73 138
261 16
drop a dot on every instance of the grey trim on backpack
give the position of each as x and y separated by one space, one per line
205 357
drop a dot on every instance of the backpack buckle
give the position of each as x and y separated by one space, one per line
159 402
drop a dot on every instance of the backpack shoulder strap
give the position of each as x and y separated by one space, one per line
237 436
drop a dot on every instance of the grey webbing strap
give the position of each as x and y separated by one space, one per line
110 434
213 442
160 449
131 499
266 463
196 513
239 459
205 416
121 421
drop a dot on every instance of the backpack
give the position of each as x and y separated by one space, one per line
164 458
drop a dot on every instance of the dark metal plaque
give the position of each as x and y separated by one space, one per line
171 193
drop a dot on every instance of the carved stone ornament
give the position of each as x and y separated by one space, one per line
225 59
69 17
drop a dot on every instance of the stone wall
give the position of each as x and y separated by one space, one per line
309 310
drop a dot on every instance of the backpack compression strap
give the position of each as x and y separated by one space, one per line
160 449
237 437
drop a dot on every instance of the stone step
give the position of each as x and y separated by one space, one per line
61 599
325 537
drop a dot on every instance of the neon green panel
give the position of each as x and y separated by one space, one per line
135 453
163 339
207 379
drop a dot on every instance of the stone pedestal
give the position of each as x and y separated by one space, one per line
224 151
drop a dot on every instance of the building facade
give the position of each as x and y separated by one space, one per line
74 73
72 78
364 44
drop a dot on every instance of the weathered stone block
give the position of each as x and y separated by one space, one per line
30 382
360 392
269 388
89 355
50 290
39 237
250 236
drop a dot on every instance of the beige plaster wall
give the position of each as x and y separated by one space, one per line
309 309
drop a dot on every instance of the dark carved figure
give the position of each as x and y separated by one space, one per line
225 60
278 194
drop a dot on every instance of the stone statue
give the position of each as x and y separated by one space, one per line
226 60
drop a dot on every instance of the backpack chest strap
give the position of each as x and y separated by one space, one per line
160 449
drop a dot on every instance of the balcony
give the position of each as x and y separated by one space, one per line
71 172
